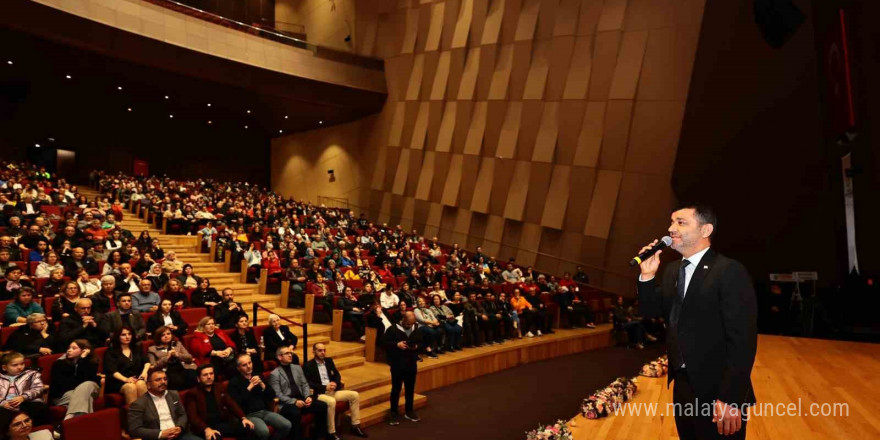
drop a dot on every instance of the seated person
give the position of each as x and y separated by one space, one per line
290 385
105 301
126 366
212 345
158 278
87 286
169 318
175 293
324 378
21 389
634 328
205 295
64 305
32 339
79 260
245 342
124 316
278 335
352 312
14 282
228 311
50 263
187 278
81 324
256 399
75 379
20 426
571 305
212 413
55 285
430 327
23 306
169 355
144 419
145 300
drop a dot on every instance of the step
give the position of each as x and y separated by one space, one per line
346 362
375 414
344 349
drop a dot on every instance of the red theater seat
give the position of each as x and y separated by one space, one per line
104 424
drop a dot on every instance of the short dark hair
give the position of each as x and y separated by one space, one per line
203 367
705 215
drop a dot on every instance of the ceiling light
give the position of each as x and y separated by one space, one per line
119 88
9 62
51 139
280 131
209 104
171 116
129 109
321 122
166 97
68 76
249 112
285 116
245 127
37 145
209 122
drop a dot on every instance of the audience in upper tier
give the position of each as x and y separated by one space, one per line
76 281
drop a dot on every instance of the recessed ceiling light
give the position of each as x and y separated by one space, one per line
245 127
119 88
68 76
166 97
129 109
9 62
171 116
280 131
51 139
249 112
209 104
209 122
321 122
37 145
285 116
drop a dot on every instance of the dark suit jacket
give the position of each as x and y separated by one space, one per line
196 407
143 418
88 263
314 377
112 321
157 321
716 332
272 342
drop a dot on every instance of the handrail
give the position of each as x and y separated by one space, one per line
305 327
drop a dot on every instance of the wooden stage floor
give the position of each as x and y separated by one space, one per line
811 374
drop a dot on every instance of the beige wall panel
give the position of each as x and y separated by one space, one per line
538 70
406 218
588 16
545 143
494 233
411 31
423 189
379 169
654 137
507 139
492 27
604 64
501 74
447 127
528 20
432 59
518 192
415 78
420 130
593 251
420 216
367 29
397 73
481 9
547 19
477 230
416 157
409 121
649 14
501 185
686 39
580 69
570 248
435 29
566 18
589 142
450 17
539 183
435 117
397 203
571 117
488 55
689 12
553 215
483 186
438 89
469 75
456 70
613 13
389 38
530 240
432 224
618 116
401 173
510 21
583 180
658 69
531 121
461 226
550 246
603 203
522 58
643 208
629 65
474 140
385 209
396 131
463 114
447 223
497 115
470 168
392 158
424 24
560 55
441 171
453 181
463 24
510 240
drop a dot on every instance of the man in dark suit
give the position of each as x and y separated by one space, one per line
712 335
77 260
124 316
159 414
324 378
402 342
212 411
292 389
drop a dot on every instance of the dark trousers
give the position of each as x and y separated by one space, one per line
357 321
696 425
317 409
635 330
231 430
403 377
453 335
579 315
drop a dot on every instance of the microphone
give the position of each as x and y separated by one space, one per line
664 242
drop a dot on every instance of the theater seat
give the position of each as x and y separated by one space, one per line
104 424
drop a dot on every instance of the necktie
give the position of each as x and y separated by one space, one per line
682 277
676 357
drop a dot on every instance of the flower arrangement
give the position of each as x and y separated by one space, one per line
656 368
557 431
603 402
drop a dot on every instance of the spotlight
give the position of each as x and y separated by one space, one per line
245 127
209 122
280 131
248 112
171 116
320 122
37 145
119 88
129 109
166 97
9 62
285 116
68 76
209 104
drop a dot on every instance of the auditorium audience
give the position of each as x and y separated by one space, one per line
21 389
158 414
124 317
169 318
326 381
169 355
75 379
21 307
125 366
277 336
246 343
32 339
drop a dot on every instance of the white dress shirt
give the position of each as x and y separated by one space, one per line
166 421
322 371
691 268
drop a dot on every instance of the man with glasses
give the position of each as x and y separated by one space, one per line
256 399
292 389
325 379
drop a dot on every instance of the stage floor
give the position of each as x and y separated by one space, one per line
801 378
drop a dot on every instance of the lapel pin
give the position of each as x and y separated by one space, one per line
705 267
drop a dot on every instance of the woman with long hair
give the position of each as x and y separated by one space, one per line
205 295
65 304
126 366
50 263
168 354
19 426
211 344
246 343
168 318
75 379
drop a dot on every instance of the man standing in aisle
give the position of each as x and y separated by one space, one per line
402 342
712 335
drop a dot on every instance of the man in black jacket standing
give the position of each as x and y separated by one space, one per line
402 342
324 378
712 334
